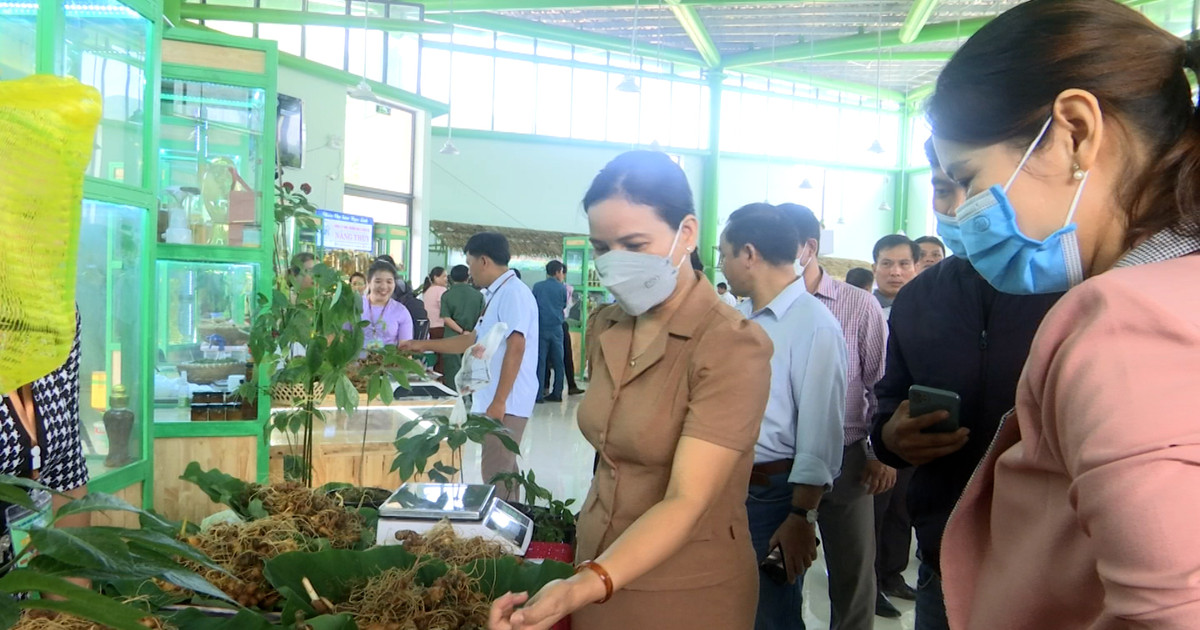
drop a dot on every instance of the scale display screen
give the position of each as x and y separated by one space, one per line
439 500
506 521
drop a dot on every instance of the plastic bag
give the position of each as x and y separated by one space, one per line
476 371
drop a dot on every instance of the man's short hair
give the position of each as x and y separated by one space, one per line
765 227
932 240
896 240
490 244
722 285
298 262
861 278
460 273
805 221
554 267
931 155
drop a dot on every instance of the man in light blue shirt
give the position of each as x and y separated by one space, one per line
799 450
513 388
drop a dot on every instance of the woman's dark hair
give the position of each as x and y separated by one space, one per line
357 275
378 267
649 178
1001 86
460 273
436 272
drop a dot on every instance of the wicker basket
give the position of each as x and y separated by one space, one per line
295 394
232 335
209 372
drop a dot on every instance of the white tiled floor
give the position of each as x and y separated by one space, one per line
555 449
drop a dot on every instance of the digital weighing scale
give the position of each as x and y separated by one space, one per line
473 510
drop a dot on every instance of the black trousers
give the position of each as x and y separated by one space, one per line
893 532
568 362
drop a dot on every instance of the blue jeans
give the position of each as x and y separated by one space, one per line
550 351
780 606
931 605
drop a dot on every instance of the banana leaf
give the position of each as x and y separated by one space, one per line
76 600
225 489
334 573
194 619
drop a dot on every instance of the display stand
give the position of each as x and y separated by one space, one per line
589 296
216 180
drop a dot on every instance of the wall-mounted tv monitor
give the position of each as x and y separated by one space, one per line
289 132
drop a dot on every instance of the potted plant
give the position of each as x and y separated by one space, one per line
418 443
553 523
306 339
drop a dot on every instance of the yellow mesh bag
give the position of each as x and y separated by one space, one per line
47 126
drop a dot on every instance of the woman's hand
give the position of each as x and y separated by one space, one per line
555 601
902 436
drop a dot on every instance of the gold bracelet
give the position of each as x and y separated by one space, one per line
604 577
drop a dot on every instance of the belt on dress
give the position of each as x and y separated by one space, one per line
761 474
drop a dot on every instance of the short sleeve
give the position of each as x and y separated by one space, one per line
729 381
518 310
1114 375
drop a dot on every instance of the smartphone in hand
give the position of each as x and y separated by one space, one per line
925 400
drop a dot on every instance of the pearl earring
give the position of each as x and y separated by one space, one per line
1078 174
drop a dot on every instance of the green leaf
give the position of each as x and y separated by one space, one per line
10 614
16 496
87 549
508 443
220 487
78 601
346 395
96 502
193 619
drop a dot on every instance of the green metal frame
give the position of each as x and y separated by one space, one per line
697 32
261 256
51 32
918 14
710 211
301 18
584 247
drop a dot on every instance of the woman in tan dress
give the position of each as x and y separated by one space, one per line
679 385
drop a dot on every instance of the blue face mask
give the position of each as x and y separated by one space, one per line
951 233
1009 260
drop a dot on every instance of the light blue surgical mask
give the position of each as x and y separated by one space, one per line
1009 260
951 233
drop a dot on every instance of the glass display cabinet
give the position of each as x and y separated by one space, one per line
215 167
210 163
201 350
18 41
359 448
587 297
392 240
111 291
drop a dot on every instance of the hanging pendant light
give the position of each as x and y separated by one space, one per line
448 148
363 90
876 146
629 83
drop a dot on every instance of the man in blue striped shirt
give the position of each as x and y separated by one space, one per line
799 450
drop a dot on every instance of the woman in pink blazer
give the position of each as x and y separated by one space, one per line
1072 125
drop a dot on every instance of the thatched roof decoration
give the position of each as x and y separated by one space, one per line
522 242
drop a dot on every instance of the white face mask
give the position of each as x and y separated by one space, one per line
801 265
639 281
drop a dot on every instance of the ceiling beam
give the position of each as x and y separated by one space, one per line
189 11
444 6
802 78
890 55
854 43
918 14
690 20
530 28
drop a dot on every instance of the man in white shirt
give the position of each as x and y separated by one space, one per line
726 296
799 450
510 395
